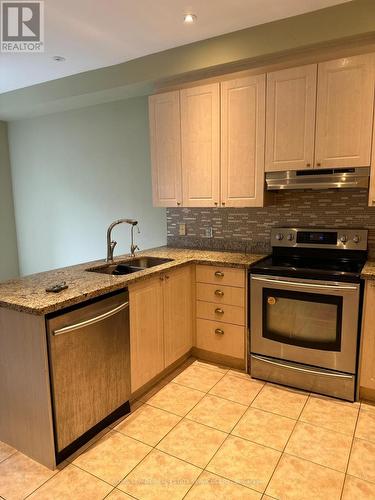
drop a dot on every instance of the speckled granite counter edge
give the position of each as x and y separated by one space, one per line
368 271
28 294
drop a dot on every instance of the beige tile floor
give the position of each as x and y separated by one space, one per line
207 432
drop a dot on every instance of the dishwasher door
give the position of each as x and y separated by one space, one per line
90 369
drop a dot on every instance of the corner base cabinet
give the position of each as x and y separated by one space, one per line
367 365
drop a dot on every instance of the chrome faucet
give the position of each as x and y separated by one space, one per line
111 244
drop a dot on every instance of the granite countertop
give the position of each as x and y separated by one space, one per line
368 271
28 294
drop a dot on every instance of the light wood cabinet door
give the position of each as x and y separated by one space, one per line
146 331
242 141
290 122
367 372
345 112
200 143
165 142
371 191
178 313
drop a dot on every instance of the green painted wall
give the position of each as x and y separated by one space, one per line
137 77
8 240
74 173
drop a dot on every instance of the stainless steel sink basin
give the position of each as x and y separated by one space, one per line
129 266
145 262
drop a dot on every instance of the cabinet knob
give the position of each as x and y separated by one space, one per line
223 203
219 331
318 164
178 203
216 203
219 274
219 311
219 293
308 164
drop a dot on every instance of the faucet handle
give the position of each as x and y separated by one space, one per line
113 244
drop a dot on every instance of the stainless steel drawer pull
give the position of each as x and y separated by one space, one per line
91 321
219 311
219 274
219 331
298 369
219 293
332 286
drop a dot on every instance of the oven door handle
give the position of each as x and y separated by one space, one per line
306 285
298 369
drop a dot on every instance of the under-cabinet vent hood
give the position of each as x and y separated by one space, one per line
322 178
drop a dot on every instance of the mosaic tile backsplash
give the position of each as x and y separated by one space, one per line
248 229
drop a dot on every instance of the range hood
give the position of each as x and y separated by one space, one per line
322 178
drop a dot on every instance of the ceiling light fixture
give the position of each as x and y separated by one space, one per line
190 18
58 58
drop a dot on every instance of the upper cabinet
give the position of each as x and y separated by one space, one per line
165 139
345 112
200 139
339 96
290 133
243 105
210 144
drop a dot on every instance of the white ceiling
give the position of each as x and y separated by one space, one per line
92 34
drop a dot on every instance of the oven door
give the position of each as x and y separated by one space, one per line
306 321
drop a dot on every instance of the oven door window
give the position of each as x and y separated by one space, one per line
302 319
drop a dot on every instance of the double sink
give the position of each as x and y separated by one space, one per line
129 266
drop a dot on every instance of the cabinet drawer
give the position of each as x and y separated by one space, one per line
221 338
219 275
220 294
221 312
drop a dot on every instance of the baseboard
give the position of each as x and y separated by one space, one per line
145 388
220 359
367 394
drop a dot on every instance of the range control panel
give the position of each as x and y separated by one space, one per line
344 239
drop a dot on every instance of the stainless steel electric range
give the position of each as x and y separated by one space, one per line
305 303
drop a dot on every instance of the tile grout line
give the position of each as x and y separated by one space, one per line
6 458
115 488
205 468
222 444
113 429
76 466
228 434
286 444
154 447
350 451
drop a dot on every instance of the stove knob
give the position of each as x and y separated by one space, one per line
343 238
279 236
356 238
290 237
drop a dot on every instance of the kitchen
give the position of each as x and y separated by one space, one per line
224 347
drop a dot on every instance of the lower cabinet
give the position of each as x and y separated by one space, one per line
161 323
221 314
367 370
146 331
178 314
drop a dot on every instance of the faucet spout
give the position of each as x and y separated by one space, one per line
111 244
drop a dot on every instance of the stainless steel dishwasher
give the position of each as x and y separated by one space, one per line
89 358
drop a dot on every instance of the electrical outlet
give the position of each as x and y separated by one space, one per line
208 232
182 229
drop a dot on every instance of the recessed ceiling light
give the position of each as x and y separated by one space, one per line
190 18
58 58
